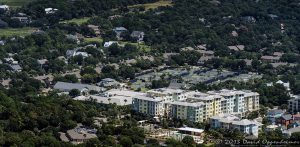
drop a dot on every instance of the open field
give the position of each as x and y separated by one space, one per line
16 31
148 6
15 3
78 21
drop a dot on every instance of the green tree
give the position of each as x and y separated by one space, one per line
188 140
74 93
126 141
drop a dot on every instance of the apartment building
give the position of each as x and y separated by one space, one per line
192 111
196 106
149 105
212 104
168 94
294 104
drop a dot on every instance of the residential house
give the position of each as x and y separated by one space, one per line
289 132
187 49
275 65
234 34
270 59
75 52
278 54
75 38
43 62
138 35
237 47
274 114
2 42
108 82
201 47
167 56
270 128
109 43
50 10
22 19
95 29
248 19
230 122
206 52
119 31
285 120
4 8
79 134
16 67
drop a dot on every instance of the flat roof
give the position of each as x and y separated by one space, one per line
191 104
191 129
154 99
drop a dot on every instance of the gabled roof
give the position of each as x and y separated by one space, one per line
275 112
16 67
137 33
287 117
119 29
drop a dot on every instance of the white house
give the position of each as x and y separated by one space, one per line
50 10
4 8
109 43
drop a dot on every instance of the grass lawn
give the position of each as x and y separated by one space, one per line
15 3
96 39
78 21
16 31
160 3
141 46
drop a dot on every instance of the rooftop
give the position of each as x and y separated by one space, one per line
64 86
190 129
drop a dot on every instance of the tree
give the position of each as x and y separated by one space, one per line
295 136
94 142
188 140
127 72
74 93
152 143
126 141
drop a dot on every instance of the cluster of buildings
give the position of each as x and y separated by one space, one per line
287 123
195 106
136 35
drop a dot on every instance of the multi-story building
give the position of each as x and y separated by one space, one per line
233 122
211 103
294 104
251 100
168 94
192 111
196 106
237 101
149 105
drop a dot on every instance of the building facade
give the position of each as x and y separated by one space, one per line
229 122
195 106
294 104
